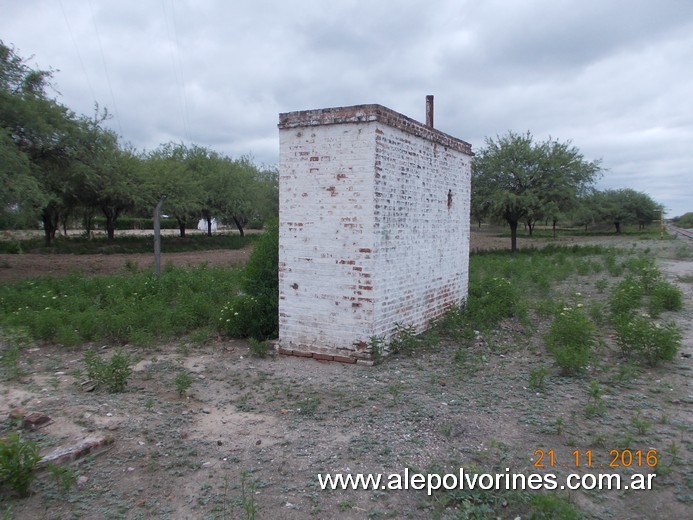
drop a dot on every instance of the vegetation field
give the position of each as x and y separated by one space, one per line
564 352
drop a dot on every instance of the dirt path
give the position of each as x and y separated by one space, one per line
17 267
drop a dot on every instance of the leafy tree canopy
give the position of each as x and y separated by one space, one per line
516 179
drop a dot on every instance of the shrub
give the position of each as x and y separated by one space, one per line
183 383
246 316
647 341
255 314
492 299
112 374
664 296
626 296
261 274
571 340
18 460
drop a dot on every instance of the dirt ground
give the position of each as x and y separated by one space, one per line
251 436
15 267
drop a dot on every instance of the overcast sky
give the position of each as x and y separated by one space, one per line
615 77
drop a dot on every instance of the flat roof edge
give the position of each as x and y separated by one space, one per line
367 114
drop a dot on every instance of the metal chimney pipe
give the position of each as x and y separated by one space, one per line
429 111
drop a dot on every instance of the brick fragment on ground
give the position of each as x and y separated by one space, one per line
74 451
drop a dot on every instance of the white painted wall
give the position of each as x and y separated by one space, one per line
367 237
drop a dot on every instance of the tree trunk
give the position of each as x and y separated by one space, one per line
530 226
88 223
513 235
181 227
49 217
239 225
110 228
554 228
111 218
209 226
63 223
618 226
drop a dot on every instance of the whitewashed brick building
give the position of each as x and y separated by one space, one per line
374 228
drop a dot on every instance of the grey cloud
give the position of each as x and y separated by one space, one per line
612 76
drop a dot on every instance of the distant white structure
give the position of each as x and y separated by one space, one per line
202 224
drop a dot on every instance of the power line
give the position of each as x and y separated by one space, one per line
79 54
177 67
105 68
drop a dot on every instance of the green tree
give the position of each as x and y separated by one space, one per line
624 206
685 220
238 191
169 172
22 196
517 180
104 176
37 143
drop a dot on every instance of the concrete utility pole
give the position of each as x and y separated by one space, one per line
157 236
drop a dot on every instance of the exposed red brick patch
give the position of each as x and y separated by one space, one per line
344 359
34 420
365 250
316 356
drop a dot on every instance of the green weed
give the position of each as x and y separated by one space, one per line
550 507
595 404
395 390
377 347
258 349
12 341
65 478
18 461
248 496
645 341
641 424
183 382
404 340
664 296
112 374
571 340
626 296
537 378
126 308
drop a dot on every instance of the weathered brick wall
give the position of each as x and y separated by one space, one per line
374 227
